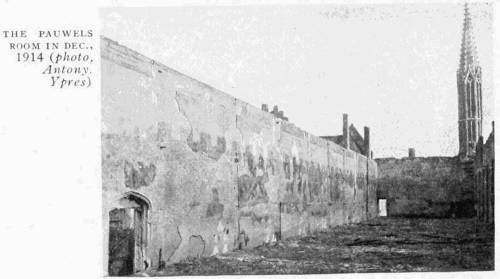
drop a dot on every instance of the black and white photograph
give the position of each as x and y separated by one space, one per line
297 139
238 138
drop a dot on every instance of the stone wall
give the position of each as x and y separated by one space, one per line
484 177
430 186
215 173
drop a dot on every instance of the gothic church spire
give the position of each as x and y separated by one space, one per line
468 52
469 85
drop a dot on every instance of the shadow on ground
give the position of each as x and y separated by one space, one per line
379 245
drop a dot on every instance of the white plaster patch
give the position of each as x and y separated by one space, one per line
295 150
176 131
324 223
225 239
213 140
220 227
216 245
220 235
301 226
274 132
154 97
207 96
355 172
257 140
239 109
196 135
273 240
144 83
269 232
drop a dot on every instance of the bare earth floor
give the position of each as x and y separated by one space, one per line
379 245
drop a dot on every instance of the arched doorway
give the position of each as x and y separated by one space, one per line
128 235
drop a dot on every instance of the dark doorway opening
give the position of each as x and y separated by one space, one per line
128 236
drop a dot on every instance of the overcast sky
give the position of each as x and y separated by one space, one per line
390 67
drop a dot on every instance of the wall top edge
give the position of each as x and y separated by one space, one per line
417 158
109 45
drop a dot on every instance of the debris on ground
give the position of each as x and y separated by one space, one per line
379 245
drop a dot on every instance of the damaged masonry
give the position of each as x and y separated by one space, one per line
169 175
196 181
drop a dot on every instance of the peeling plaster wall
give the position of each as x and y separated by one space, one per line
432 186
219 173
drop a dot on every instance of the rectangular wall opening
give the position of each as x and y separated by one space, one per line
382 207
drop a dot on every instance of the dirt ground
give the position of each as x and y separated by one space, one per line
379 245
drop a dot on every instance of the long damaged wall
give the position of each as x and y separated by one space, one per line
425 186
217 173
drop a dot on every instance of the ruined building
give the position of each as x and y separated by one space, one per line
484 174
188 170
425 187
352 139
460 186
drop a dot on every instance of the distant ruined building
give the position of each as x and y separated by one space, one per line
352 139
459 186
470 101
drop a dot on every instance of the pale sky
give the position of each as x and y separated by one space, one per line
390 67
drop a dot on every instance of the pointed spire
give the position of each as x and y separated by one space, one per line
468 52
